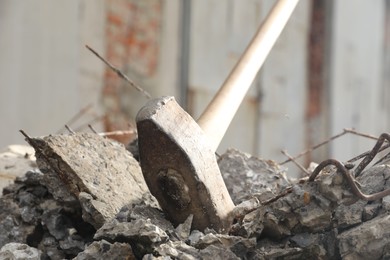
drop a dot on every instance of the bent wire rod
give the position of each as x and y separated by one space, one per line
363 164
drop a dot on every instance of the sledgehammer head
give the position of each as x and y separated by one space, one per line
180 168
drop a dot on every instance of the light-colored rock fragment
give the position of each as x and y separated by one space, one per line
370 240
18 251
89 164
15 161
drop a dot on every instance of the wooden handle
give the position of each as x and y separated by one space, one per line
219 113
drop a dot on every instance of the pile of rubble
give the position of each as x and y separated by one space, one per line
88 200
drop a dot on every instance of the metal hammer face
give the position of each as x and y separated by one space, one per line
180 168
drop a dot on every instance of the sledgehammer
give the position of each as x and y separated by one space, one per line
177 155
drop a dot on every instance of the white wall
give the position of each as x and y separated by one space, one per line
40 79
358 96
91 31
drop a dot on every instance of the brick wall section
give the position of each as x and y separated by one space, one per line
132 44
316 99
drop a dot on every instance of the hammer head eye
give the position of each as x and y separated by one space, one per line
174 188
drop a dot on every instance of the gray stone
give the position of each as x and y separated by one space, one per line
305 239
316 220
55 186
105 250
194 237
370 211
94 212
72 245
246 176
332 185
370 240
348 215
177 250
18 251
217 252
141 233
152 257
316 246
155 216
30 215
183 230
225 241
386 203
374 179
245 207
56 223
13 230
251 225
51 247
91 164
180 250
274 228
267 249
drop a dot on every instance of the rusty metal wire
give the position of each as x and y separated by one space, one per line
342 168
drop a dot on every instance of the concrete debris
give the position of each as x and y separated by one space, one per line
183 230
105 250
247 176
141 234
369 240
313 220
101 172
30 215
17 251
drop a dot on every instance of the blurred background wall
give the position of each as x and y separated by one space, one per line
328 71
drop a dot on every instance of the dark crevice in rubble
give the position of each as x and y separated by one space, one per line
341 230
36 236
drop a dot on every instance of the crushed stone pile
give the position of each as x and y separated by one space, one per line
46 215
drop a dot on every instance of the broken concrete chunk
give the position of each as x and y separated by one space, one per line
180 250
141 233
94 212
251 225
183 230
370 211
225 241
374 179
386 203
217 252
314 217
332 186
155 216
194 237
18 251
246 176
105 250
370 240
88 163
177 250
267 249
55 185
348 215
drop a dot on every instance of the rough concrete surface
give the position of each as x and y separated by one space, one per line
101 173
